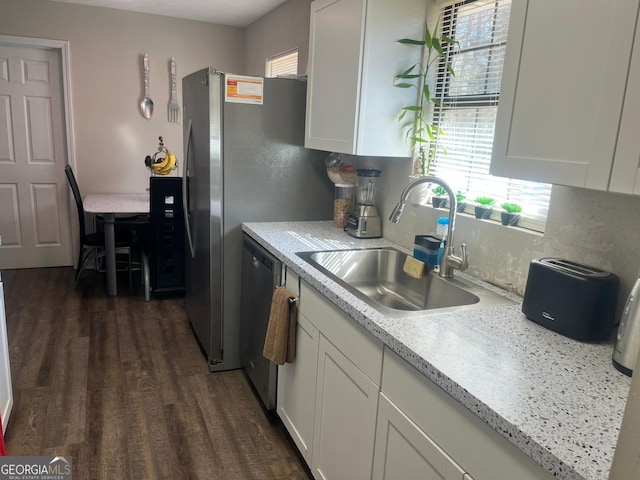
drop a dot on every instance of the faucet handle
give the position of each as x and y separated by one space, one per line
465 263
459 263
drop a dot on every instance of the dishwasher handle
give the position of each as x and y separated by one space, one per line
259 256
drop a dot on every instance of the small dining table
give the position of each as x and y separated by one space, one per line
109 205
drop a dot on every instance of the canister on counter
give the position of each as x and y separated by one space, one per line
342 202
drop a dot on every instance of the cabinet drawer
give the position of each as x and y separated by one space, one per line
476 447
358 345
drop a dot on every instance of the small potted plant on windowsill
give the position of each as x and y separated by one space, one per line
462 203
484 207
439 200
511 215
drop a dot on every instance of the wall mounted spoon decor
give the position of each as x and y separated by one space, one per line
146 105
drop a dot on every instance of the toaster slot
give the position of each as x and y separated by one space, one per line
574 268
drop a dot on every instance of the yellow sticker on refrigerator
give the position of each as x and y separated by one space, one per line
243 89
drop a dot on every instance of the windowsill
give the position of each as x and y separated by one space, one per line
494 221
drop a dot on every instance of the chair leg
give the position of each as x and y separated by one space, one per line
79 265
146 277
130 270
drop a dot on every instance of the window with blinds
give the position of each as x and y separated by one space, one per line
282 64
467 109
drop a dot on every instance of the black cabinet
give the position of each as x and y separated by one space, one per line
167 239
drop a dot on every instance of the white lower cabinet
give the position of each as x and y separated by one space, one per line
297 386
297 381
404 451
346 404
328 398
353 419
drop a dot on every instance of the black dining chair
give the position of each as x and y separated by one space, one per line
92 245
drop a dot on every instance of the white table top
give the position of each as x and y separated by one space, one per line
116 203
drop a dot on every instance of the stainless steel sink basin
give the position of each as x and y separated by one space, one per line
376 276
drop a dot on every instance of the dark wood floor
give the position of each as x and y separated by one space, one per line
122 387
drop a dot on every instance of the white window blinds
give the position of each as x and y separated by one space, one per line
468 106
282 64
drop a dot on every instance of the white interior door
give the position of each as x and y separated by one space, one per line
34 217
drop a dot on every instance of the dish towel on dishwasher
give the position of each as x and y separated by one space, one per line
280 341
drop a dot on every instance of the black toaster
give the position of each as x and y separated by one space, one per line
575 300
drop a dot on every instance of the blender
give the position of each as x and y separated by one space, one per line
364 220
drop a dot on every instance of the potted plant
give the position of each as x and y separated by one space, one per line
461 199
484 207
511 215
440 198
419 131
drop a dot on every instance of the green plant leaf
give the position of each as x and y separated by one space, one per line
412 108
511 207
403 113
408 76
485 201
403 85
427 36
437 46
450 70
449 40
436 101
407 71
430 132
426 91
409 41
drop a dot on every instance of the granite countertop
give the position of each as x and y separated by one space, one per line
558 400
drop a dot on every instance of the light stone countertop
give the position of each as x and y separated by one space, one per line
558 400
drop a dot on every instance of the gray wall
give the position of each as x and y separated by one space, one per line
106 46
285 28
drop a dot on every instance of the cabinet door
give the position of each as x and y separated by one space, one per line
6 391
346 404
562 90
297 388
625 175
335 54
404 451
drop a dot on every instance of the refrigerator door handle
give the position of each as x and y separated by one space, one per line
185 186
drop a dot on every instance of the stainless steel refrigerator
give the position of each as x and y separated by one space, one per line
244 162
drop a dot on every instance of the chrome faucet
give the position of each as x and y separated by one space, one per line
449 260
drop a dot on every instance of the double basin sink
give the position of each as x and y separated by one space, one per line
376 276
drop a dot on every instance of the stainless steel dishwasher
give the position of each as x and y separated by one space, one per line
261 273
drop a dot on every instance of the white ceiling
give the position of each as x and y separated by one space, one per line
238 13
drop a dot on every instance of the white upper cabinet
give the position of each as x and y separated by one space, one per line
354 55
563 91
625 175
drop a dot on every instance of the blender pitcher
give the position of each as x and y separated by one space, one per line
364 221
